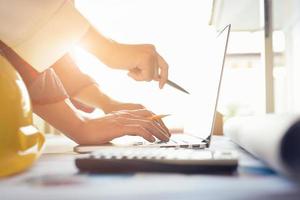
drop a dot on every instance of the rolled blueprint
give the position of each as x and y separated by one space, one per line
275 139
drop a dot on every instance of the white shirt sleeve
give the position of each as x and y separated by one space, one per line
41 32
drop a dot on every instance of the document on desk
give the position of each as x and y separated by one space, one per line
275 139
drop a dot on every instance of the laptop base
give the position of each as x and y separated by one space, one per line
176 141
166 160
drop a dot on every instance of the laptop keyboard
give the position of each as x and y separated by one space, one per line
153 159
174 143
160 153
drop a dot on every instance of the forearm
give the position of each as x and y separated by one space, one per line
80 86
94 97
100 46
63 116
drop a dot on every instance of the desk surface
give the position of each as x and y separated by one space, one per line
55 176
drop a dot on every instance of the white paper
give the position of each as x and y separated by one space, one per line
268 137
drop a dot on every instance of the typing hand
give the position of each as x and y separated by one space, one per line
125 122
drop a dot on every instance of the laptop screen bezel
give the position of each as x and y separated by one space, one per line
225 30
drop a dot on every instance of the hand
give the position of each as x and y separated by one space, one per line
114 105
116 124
149 65
119 106
143 62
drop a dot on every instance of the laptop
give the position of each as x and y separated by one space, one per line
188 152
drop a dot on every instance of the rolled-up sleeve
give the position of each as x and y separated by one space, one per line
73 80
47 88
41 32
44 88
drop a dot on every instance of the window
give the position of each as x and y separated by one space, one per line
180 31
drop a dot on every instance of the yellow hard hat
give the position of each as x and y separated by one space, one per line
20 142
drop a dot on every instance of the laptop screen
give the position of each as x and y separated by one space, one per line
206 78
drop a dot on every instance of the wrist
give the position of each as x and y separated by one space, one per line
109 106
104 102
118 56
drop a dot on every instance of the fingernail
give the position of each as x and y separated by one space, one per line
161 85
167 140
152 139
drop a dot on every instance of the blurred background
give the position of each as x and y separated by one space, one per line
262 63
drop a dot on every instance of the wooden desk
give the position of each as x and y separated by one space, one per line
54 176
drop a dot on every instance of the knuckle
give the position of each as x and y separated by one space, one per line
119 126
150 47
139 106
144 131
148 55
145 123
156 126
120 118
127 115
136 127
148 124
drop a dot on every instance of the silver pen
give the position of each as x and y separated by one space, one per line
176 86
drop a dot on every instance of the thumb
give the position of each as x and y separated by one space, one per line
134 75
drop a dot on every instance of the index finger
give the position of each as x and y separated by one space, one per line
147 115
158 119
164 71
